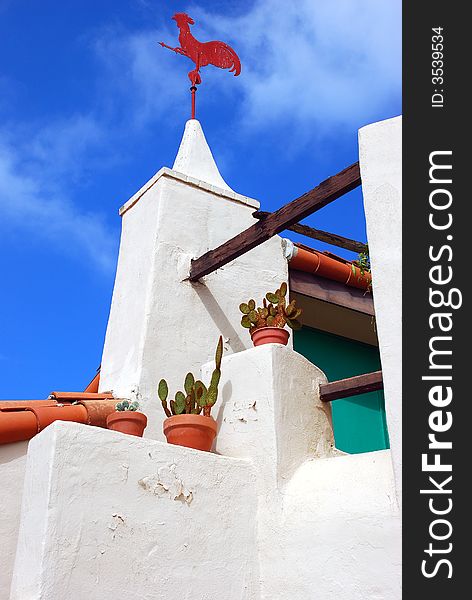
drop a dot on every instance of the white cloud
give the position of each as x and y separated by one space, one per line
311 65
148 83
34 194
68 147
314 62
44 169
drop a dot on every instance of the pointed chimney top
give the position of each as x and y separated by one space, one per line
195 159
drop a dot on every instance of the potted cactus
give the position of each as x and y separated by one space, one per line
266 324
127 419
189 422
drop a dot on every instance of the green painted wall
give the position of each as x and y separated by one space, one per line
359 422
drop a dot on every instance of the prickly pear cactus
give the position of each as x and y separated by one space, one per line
197 396
208 399
163 392
274 312
189 382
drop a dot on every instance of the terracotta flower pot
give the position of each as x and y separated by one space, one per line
191 431
270 335
127 421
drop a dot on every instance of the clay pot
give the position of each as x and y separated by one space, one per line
270 335
191 431
127 421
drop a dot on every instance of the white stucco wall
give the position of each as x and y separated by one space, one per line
12 475
108 516
269 400
282 515
195 159
340 532
161 325
380 155
279 513
328 524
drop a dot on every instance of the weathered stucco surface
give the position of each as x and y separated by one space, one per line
195 159
341 533
161 325
277 513
380 156
12 474
106 515
328 525
269 399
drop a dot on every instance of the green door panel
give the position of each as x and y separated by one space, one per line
359 422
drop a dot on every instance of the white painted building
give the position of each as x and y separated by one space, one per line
276 511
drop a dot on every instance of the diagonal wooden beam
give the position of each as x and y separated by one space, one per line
317 234
289 214
353 386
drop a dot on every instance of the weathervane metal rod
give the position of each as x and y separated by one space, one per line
193 89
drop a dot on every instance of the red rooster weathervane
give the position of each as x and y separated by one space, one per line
214 53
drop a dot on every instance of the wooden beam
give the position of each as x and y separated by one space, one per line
281 219
331 291
345 388
318 234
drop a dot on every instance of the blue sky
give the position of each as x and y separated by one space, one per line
91 107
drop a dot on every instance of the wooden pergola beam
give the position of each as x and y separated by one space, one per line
330 291
286 216
317 234
353 386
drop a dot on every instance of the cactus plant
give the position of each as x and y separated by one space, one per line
362 262
127 419
126 405
274 312
197 397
